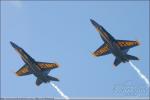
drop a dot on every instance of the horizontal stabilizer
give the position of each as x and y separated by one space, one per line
38 82
129 57
50 78
47 79
117 62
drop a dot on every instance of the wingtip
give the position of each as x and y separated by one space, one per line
58 65
13 72
16 74
93 54
138 42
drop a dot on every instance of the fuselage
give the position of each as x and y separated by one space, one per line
111 42
32 65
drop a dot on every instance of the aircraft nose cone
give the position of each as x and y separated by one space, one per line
96 25
92 21
14 45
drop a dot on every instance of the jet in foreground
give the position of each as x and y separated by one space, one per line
38 69
118 48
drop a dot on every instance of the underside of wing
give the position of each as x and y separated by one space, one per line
125 44
103 50
47 66
23 71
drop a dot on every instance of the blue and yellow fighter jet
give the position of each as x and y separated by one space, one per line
38 69
118 48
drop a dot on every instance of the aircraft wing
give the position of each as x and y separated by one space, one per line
23 71
103 50
47 66
125 44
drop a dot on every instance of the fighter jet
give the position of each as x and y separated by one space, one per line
38 69
118 48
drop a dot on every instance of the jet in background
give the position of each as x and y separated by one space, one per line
118 48
38 69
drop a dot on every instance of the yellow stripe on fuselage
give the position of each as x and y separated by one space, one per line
25 58
104 35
